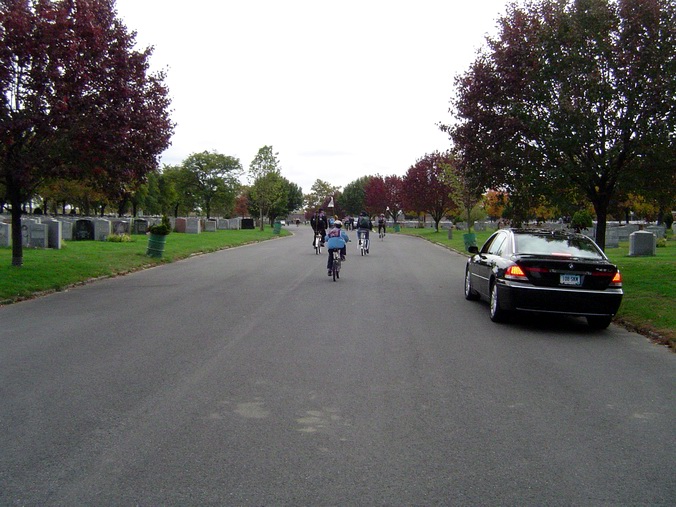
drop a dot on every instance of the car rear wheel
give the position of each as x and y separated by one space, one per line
599 322
497 313
470 293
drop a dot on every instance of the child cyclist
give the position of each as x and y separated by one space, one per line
336 239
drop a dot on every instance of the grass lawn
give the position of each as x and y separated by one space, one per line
649 302
79 261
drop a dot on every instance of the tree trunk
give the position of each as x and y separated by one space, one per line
601 209
261 219
17 244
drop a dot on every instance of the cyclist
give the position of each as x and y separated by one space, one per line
319 225
364 225
381 224
336 239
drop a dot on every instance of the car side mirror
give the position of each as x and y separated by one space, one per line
473 249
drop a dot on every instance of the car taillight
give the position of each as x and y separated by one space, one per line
515 273
617 280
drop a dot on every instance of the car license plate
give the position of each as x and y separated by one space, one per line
571 279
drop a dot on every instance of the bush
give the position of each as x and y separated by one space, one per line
119 238
161 229
661 242
581 220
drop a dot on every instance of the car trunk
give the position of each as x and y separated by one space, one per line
572 273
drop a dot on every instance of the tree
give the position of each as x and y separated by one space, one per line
267 187
466 184
494 203
290 198
320 192
213 179
427 189
352 200
573 95
78 100
384 195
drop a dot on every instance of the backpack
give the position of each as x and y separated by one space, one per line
364 222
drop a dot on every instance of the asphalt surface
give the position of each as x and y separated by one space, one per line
249 377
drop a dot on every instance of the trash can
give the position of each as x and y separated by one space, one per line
156 244
469 239
277 227
397 227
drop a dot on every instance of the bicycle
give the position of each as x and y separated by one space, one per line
364 244
335 266
318 244
381 235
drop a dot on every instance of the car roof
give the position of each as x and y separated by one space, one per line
547 232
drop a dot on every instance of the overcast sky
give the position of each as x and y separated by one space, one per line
339 89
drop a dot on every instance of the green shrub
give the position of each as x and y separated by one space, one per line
581 220
120 238
161 229
661 242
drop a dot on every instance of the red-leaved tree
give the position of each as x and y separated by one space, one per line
384 195
427 188
79 102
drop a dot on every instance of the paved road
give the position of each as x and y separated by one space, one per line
248 377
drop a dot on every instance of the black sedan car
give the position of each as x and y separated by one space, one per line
544 271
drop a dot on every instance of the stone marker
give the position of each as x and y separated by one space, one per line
83 230
54 234
5 234
612 237
101 229
139 226
210 226
193 226
181 224
642 243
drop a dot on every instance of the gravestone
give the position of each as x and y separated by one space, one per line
38 235
657 230
612 237
121 227
210 226
139 226
624 231
642 243
5 234
193 226
66 230
101 229
181 224
83 230
54 234
247 223
450 233
479 226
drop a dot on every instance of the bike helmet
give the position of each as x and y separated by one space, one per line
338 223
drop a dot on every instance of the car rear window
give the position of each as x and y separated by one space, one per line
536 244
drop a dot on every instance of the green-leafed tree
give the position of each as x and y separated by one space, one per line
267 187
572 94
212 179
353 198
175 191
320 193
